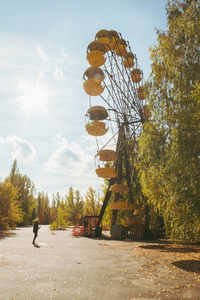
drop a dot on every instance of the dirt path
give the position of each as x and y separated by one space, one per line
64 267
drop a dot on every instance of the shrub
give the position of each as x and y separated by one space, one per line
78 231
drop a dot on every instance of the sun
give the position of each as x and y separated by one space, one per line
33 98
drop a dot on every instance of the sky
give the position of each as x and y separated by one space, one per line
42 102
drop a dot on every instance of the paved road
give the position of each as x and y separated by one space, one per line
63 267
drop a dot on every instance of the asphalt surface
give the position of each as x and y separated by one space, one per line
64 267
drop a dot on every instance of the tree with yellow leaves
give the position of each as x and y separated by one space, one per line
10 208
169 147
92 203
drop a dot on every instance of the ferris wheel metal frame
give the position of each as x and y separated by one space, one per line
125 108
122 91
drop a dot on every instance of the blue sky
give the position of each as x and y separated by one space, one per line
42 102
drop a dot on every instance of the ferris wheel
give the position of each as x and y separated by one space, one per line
115 79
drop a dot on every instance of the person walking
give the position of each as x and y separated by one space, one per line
35 230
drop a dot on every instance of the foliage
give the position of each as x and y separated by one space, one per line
10 208
62 216
92 203
43 208
53 225
21 207
74 204
26 191
107 217
169 146
67 213
78 231
54 209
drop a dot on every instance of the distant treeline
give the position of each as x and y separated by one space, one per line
20 207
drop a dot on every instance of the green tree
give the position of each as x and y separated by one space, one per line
62 216
43 208
74 204
53 209
58 199
26 191
47 210
169 146
92 203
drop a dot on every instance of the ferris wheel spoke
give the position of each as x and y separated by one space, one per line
124 108
111 106
128 82
108 142
125 99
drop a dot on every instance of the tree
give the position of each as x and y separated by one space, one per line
74 204
53 209
43 208
13 172
10 208
26 190
92 203
58 199
62 216
169 146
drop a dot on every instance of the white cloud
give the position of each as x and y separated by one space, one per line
69 159
51 66
23 149
40 52
57 73
1 141
71 165
64 53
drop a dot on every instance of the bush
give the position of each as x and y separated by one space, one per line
4 226
78 231
56 226
53 226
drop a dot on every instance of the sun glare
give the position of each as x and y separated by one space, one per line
33 99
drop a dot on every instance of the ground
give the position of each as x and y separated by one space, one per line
64 267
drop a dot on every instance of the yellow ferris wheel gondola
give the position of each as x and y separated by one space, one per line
97 113
119 188
136 75
140 91
95 53
104 36
129 60
107 155
93 77
106 172
114 39
96 128
92 87
124 205
120 49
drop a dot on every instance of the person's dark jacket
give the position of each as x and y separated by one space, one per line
35 227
